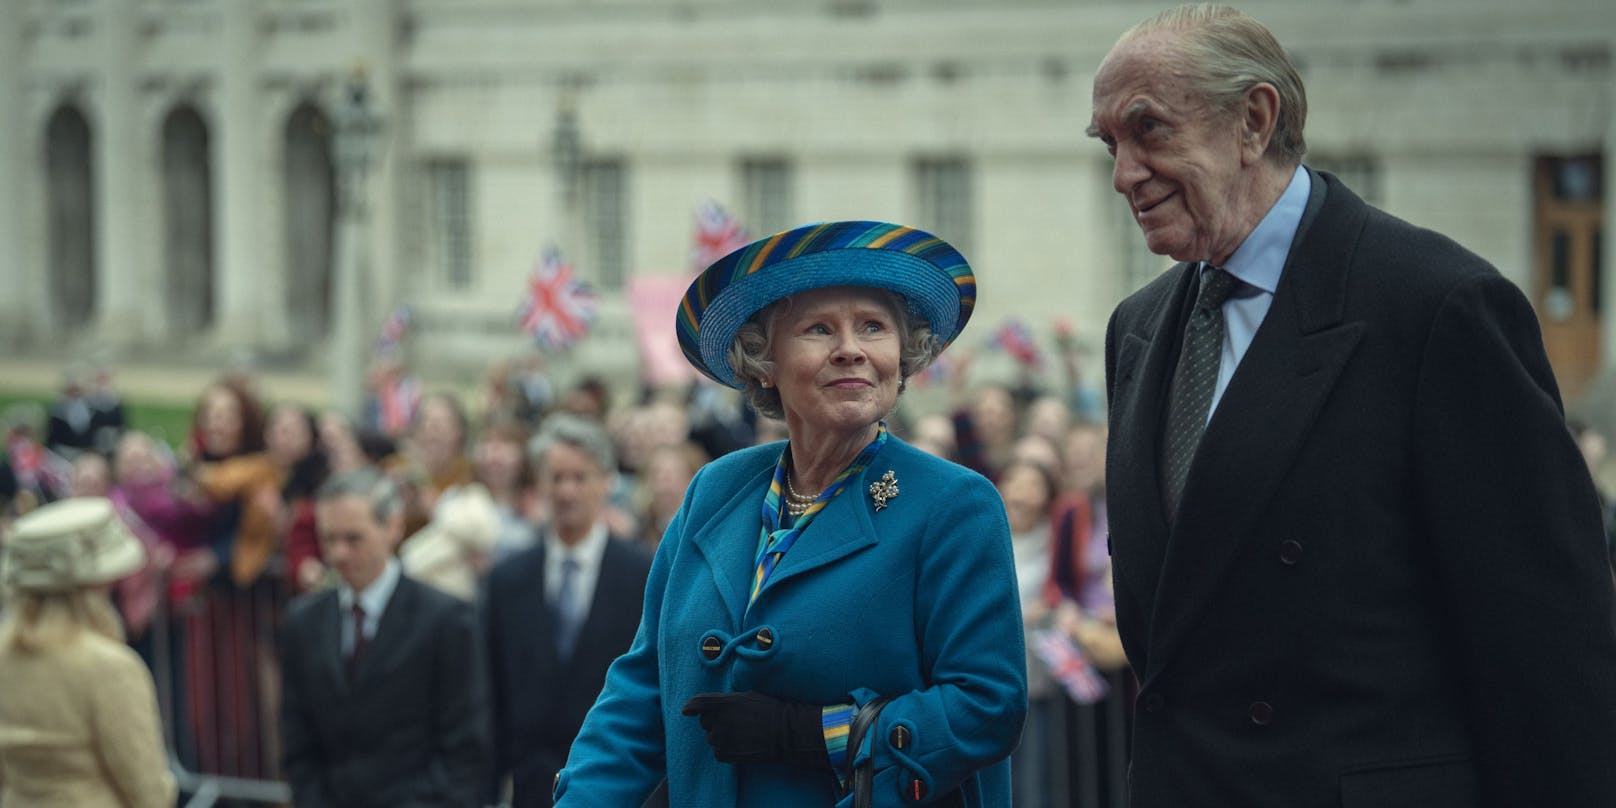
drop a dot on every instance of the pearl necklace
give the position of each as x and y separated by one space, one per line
797 504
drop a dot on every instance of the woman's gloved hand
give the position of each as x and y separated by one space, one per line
750 727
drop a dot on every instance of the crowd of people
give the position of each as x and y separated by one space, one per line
1331 535
228 520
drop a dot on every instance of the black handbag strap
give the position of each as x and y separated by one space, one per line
864 773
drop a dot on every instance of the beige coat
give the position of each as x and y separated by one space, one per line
79 727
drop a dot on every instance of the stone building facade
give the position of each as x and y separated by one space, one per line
167 180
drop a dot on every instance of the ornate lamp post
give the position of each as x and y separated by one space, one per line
356 144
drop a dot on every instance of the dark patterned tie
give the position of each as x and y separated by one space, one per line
1193 383
358 649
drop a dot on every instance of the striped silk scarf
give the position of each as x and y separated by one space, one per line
776 540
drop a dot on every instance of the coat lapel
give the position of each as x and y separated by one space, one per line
327 625
1140 380
1264 417
398 617
842 528
729 538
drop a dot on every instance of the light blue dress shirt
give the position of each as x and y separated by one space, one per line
1258 263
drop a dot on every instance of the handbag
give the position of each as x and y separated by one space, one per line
864 774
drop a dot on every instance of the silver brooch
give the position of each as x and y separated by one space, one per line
884 489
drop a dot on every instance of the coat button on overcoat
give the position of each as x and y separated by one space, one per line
1290 552
765 638
711 647
899 737
1262 713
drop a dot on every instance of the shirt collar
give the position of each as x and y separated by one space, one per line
1261 257
374 597
586 551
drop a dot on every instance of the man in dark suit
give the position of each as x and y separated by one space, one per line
558 613
1358 561
385 696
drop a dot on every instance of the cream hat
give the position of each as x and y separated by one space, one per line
69 544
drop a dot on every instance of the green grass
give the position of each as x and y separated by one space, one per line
166 421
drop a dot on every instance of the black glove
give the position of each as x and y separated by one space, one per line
750 727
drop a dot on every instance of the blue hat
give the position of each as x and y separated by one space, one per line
931 275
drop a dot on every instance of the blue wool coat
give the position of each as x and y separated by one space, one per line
916 601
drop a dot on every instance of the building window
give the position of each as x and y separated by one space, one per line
1360 172
943 199
449 192
766 195
605 215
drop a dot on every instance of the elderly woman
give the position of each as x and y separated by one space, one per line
837 608
78 712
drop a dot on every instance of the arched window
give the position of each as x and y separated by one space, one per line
310 216
188 222
70 183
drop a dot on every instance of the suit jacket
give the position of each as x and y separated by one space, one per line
917 601
1385 584
410 729
540 701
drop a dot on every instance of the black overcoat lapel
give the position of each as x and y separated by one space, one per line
1143 366
1271 404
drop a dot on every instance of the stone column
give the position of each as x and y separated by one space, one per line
124 292
244 308
16 321
375 33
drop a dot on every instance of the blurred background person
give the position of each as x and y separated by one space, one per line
500 463
385 697
1028 489
667 473
558 613
79 722
435 458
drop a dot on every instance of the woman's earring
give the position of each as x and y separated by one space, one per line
764 384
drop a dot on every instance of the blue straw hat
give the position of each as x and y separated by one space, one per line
931 275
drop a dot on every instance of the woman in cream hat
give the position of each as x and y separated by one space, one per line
78 711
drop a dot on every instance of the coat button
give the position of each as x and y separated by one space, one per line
1262 713
711 647
1290 552
1154 702
916 790
899 737
765 638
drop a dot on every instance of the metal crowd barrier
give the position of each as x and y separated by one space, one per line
213 659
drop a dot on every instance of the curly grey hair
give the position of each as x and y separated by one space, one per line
751 352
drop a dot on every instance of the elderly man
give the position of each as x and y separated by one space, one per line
1358 560
558 613
385 697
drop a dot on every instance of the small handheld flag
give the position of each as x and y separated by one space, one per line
558 308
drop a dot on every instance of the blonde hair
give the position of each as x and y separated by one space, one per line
36 621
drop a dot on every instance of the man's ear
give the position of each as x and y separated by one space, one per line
1259 116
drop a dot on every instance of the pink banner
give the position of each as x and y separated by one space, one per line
653 301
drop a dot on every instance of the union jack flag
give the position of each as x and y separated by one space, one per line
1015 338
1068 665
36 467
393 331
717 234
558 308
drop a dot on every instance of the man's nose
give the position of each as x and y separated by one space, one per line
1127 171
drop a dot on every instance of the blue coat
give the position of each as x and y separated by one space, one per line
916 601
